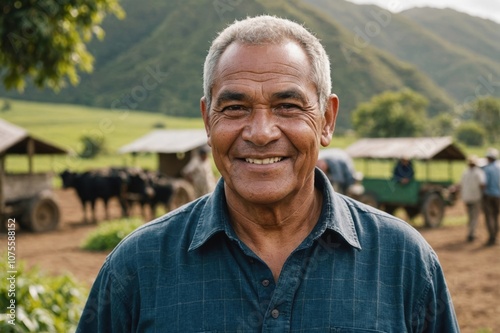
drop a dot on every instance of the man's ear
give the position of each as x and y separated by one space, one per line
330 117
205 115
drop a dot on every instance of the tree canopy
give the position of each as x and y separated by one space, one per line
487 113
391 114
45 39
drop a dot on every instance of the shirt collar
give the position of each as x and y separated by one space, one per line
335 216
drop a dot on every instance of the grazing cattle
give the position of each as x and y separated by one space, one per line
137 189
163 191
101 184
147 188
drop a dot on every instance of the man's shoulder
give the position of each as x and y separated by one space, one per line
169 232
373 224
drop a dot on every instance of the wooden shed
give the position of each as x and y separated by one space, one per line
26 195
174 147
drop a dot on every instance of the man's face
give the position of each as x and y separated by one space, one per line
265 126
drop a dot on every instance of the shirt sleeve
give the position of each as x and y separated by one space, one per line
436 312
106 310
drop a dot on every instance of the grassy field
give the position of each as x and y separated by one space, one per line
64 125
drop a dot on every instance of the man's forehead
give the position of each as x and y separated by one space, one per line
259 56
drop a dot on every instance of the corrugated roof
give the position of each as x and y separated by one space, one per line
14 140
167 141
430 148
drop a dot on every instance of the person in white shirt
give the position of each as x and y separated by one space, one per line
472 184
199 172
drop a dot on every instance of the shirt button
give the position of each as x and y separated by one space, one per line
265 283
275 313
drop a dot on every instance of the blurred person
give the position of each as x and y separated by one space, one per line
471 187
199 172
338 172
274 248
403 172
491 195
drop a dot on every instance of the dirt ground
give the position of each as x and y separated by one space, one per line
472 270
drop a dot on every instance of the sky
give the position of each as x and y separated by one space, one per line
489 9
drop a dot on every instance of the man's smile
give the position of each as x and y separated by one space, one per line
263 161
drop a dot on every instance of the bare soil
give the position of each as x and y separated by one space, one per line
472 270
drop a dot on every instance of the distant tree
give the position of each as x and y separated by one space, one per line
391 114
487 113
471 133
45 40
441 125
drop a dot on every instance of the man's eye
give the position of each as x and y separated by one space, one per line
286 106
234 108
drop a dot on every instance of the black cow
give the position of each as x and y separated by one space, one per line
163 191
137 189
96 184
147 188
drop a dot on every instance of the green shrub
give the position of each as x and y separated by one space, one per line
109 234
92 146
43 303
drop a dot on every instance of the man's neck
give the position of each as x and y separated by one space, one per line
273 233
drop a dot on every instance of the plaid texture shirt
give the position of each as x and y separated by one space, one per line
360 270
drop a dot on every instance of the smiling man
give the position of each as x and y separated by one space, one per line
273 248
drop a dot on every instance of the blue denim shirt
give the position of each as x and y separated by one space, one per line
492 172
360 270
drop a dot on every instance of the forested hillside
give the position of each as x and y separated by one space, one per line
457 51
152 60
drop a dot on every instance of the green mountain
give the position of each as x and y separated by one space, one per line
153 59
477 35
457 51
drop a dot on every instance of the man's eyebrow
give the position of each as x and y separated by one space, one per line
230 95
289 94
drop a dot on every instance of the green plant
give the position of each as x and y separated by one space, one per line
109 234
42 303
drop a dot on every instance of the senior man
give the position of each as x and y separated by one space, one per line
273 248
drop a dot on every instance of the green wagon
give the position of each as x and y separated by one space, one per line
428 194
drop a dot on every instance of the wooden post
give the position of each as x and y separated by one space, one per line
450 171
31 152
2 199
427 170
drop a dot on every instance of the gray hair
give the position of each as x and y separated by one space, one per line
267 29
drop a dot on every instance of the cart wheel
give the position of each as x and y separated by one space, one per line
370 199
433 210
42 214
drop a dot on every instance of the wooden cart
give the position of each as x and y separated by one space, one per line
26 197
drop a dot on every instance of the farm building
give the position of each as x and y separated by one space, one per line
174 148
26 196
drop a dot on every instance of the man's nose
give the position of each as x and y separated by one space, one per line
262 127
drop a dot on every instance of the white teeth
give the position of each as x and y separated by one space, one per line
264 161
